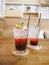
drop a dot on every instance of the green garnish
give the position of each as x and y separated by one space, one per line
21 24
18 23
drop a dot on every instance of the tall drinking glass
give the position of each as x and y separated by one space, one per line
34 36
20 38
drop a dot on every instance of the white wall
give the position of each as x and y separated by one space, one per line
44 11
1 8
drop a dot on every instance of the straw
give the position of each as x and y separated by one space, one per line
28 22
39 23
39 20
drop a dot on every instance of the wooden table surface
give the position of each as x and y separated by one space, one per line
40 57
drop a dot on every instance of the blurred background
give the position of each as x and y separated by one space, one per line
14 11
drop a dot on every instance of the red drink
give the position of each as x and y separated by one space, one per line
20 44
33 41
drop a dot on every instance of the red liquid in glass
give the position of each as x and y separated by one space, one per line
20 44
34 41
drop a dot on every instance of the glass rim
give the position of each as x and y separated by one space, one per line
19 29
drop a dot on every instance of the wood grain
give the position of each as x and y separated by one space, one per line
40 57
6 29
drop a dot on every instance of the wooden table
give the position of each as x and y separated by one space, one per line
40 57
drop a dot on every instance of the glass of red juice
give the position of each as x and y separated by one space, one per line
33 35
34 41
20 38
